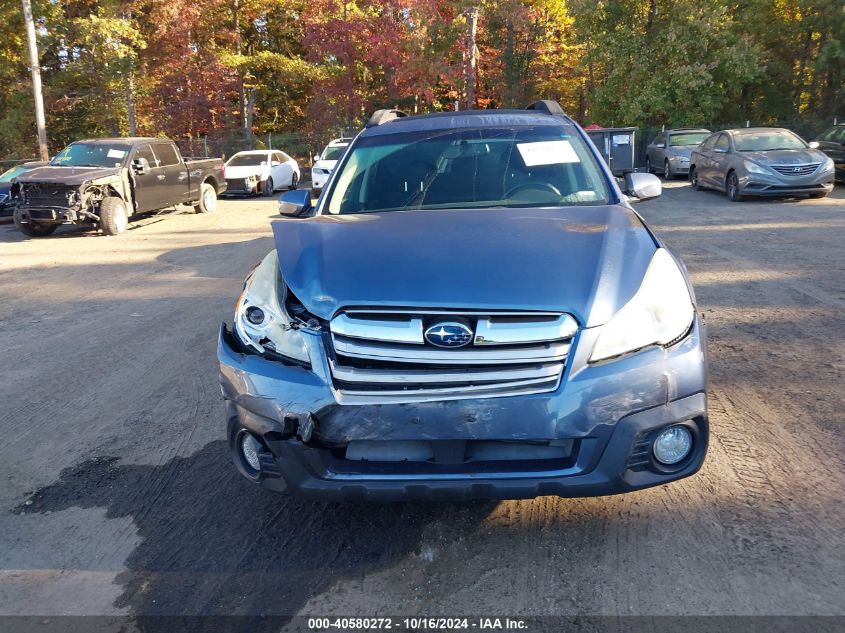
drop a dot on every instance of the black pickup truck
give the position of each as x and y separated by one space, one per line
103 182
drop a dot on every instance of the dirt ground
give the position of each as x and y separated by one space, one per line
117 495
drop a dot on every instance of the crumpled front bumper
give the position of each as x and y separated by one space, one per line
611 410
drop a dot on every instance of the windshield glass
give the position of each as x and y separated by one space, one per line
91 155
538 166
333 152
687 139
768 140
247 160
7 175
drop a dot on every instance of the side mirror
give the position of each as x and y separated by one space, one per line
275 163
316 157
141 166
642 186
294 203
814 144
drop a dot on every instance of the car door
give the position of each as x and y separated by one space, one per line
175 183
147 187
285 169
720 159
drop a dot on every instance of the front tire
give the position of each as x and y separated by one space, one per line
208 199
114 219
269 186
648 169
294 181
667 171
732 188
34 229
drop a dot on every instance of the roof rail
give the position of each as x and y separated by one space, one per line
383 116
548 106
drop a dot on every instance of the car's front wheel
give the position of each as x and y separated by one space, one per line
667 171
732 188
269 186
294 181
208 199
114 219
648 169
34 229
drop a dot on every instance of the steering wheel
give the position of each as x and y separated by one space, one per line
541 186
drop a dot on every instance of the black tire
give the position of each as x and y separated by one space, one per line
732 188
667 172
821 194
269 186
208 199
34 229
693 179
114 218
294 181
648 165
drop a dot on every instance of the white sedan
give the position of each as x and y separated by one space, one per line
261 171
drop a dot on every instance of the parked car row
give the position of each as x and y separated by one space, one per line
758 161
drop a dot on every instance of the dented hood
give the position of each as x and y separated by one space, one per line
587 261
66 175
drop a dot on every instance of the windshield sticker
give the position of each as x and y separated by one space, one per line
547 153
116 153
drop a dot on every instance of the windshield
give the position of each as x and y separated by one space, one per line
333 152
247 160
768 140
687 139
91 155
538 166
7 175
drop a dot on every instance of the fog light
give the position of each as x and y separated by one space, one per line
249 449
673 445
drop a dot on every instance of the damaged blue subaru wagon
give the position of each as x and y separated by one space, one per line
471 310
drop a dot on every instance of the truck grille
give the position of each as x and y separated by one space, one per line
45 195
383 356
796 170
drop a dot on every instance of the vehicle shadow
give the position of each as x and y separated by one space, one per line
215 544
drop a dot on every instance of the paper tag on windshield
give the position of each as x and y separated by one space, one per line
547 153
116 153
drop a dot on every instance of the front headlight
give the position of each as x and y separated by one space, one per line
827 164
754 168
261 321
660 312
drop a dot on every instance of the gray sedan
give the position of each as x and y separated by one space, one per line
670 150
761 161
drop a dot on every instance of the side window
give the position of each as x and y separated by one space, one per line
283 158
710 141
723 144
838 134
166 154
277 156
145 151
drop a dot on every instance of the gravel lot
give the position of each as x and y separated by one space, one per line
117 495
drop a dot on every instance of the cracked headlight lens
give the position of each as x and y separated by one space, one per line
659 313
261 321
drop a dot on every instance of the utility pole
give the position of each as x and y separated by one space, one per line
36 81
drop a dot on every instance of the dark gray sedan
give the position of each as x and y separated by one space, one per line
761 161
669 152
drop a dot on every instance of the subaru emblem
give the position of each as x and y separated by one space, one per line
448 334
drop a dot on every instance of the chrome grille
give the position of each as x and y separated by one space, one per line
380 356
804 169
